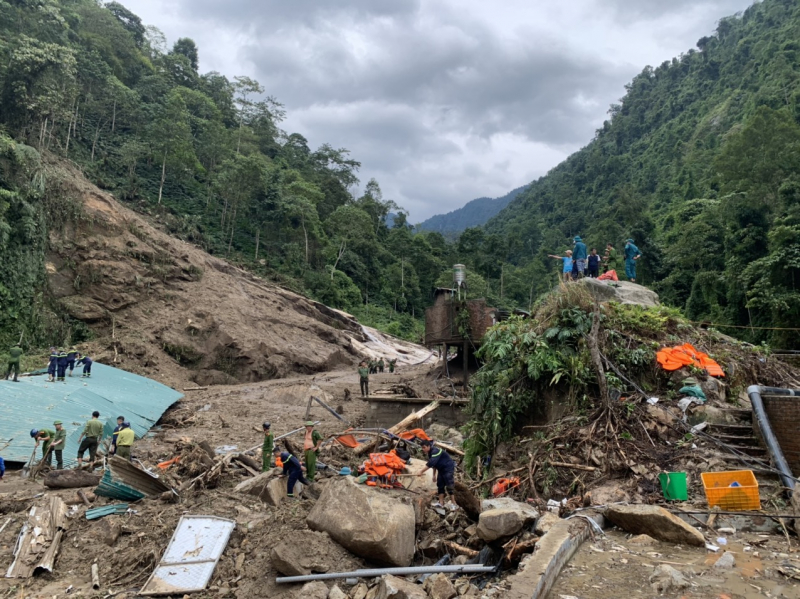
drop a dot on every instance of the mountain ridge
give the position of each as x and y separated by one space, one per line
472 214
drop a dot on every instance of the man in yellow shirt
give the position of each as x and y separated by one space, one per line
125 439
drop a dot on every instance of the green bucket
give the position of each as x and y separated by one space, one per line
674 485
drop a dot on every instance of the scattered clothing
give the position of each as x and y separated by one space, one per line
693 391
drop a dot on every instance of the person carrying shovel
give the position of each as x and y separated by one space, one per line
44 436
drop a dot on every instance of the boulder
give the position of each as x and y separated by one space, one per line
508 503
622 292
336 593
502 522
656 522
726 561
642 540
392 587
306 552
439 586
373 524
313 590
546 522
667 579
267 486
360 592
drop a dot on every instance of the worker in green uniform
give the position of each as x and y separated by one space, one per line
311 444
363 374
392 364
59 440
381 365
14 354
45 437
125 439
266 448
90 438
610 261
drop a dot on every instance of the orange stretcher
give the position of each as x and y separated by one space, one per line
675 358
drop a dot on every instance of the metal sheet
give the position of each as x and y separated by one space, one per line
35 403
191 556
40 539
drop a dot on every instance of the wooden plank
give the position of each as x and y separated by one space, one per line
405 424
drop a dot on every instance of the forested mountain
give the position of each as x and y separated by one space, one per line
472 214
700 164
89 83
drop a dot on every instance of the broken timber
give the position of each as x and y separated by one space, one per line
401 426
39 540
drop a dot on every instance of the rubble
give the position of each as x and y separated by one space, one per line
503 522
370 523
666 579
313 590
546 522
726 560
440 587
656 522
305 553
392 587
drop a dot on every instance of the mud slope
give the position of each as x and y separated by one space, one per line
160 305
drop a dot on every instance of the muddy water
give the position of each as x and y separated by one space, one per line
615 567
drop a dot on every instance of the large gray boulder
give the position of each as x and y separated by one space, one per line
501 522
370 523
623 292
654 521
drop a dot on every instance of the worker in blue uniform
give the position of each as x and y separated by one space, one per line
72 355
52 365
61 362
291 468
444 469
87 365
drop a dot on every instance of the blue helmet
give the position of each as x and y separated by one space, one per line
34 432
126 424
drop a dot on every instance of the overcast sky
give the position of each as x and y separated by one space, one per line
442 101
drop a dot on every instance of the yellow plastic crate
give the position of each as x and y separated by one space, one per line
719 491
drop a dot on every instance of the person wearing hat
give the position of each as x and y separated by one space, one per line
90 439
632 254
291 468
311 443
59 441
579 255
266 448
61 364
444 473
52 365
125 439
45 437
14 355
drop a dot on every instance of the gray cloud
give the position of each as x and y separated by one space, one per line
441 101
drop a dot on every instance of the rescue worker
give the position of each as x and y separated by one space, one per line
311 444
579 255
125 439
291 468
44 436
72 355
115 434
87 365
14 355
52 365
610 258
59 441
61 362
2 469
90 438
363 375
392 364
632 254
267 447
380 365
444 469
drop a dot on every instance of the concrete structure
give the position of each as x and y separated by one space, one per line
385 412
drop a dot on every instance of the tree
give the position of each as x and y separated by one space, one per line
239 180
171 139
186 47
131 22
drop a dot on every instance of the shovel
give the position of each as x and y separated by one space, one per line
26 469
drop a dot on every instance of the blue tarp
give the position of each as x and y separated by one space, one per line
35 403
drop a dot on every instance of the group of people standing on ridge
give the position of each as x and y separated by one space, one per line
368 367
581 262
53 441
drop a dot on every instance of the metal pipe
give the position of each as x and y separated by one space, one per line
442 562
754 392
411 571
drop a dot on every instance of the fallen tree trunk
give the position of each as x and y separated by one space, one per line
70 479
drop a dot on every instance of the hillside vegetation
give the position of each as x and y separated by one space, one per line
472 214
88 83
700 164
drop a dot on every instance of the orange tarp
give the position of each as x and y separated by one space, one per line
416 433
675 358
347 441
382 469
610 275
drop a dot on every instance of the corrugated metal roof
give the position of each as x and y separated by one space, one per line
122 480
35 403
